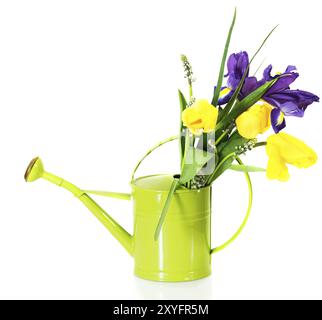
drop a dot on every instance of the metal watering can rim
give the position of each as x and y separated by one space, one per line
161 183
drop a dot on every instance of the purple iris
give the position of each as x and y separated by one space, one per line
286 102
237 65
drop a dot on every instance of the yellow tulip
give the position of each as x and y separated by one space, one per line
200 117
254 121
285 149
276 167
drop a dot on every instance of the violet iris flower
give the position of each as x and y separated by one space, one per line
237 64
285 102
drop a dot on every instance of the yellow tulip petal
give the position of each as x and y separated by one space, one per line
200 117
247 125
266 110
254 121
276 167
283 148
293 150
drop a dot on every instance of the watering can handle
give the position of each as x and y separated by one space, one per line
242 226
249 184
149 152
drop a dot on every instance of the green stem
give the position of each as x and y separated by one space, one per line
233 154
187 139
187 142
190 90
186 148
222 136
260 144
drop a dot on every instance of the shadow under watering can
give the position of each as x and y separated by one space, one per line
183 250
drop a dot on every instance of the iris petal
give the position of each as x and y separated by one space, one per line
282 83
250 85
290 69
302 98
284 100
277 124
237 65
291 109
267 74
225 95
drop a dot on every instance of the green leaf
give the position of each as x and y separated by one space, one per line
223 62
183 106
183 101
194 161
232 102
224 150
222 166
165 209
226 147
244 168
246 103
251 99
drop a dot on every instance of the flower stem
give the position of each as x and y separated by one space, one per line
190 90
222 136
209 180
186 147
260 144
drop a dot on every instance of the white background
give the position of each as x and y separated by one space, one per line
90 86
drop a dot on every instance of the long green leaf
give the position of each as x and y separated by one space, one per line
165 209
247 102
223 62
224 150
194 162
230 145
183 101
263 43
183 106
250 100
244 168
232 102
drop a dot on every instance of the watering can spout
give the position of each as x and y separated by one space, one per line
36 171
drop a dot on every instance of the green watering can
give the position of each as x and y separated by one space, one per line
182 251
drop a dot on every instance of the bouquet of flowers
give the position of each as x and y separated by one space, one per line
214 134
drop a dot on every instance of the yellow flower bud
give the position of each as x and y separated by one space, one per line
200 117
254 121
285 149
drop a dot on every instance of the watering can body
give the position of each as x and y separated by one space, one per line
182 252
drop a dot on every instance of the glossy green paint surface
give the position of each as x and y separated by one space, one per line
183 250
